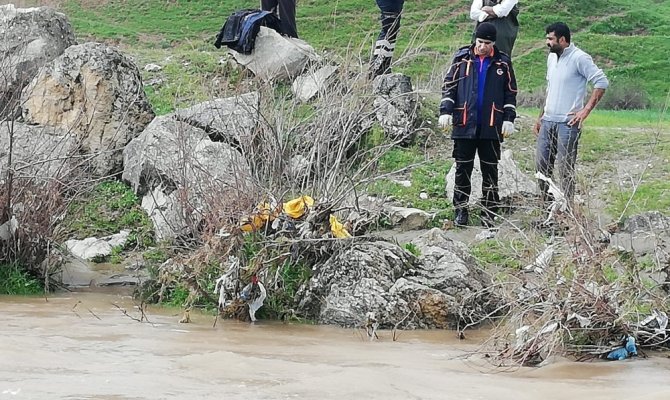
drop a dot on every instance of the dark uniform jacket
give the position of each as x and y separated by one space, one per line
459 95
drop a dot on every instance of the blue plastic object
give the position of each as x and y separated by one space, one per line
618 354
629 350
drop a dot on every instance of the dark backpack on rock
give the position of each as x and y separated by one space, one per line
241 28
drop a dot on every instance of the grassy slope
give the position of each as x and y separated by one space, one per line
629 39
626 38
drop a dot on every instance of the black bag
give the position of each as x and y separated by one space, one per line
240 29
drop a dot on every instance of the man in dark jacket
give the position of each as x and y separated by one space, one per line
285 9
385 44
479 104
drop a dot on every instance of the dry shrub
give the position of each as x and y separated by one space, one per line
624 94
581 301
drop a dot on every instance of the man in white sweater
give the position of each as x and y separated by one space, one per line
559 125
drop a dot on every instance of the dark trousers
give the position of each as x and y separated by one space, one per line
390 18
385 44
489 154
286 11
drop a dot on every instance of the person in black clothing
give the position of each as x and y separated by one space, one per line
503 14
385 44
285 9
479 105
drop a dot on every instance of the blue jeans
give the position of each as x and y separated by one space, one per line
557 143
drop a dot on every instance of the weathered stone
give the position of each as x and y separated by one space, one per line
407 219
308 85
231 120
165 212
92 248
511 181
31 38
46 152
357 281
645 235
188 169
95 92
395 105
435 291
652 221
276 57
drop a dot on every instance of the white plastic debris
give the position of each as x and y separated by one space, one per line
542 260
152 68
486 234
560 203
253 298
225 285
583 321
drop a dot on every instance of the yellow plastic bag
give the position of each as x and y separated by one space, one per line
262 214
337 228
296 208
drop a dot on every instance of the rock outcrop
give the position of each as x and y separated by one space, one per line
395 106
179 169
95 92
31 38
435 290
276 57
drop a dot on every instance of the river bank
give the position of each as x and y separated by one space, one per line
82 346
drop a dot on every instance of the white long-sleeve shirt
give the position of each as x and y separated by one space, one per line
567 76
501 10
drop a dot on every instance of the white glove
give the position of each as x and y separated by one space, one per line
507 128
445 121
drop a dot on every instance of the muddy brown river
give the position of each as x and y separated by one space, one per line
82 346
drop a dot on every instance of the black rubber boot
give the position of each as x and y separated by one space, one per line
487 218
461 217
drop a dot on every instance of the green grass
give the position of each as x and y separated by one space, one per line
495 254
648 196
15 280
109 208
628 39
428 177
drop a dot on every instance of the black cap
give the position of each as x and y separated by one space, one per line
486 31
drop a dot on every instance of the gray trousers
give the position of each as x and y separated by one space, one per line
557 144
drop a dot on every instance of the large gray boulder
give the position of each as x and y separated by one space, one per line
38 152
31 38
395 106
179 170
276 57
231 120
311 83
434 291
358 281
646 235
95 92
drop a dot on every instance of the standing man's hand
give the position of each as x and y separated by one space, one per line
445 121
536 127
579 117
489 11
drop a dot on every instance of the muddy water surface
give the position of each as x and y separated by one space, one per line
82 346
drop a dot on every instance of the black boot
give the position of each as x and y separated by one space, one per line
487 218
461 217
379 65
